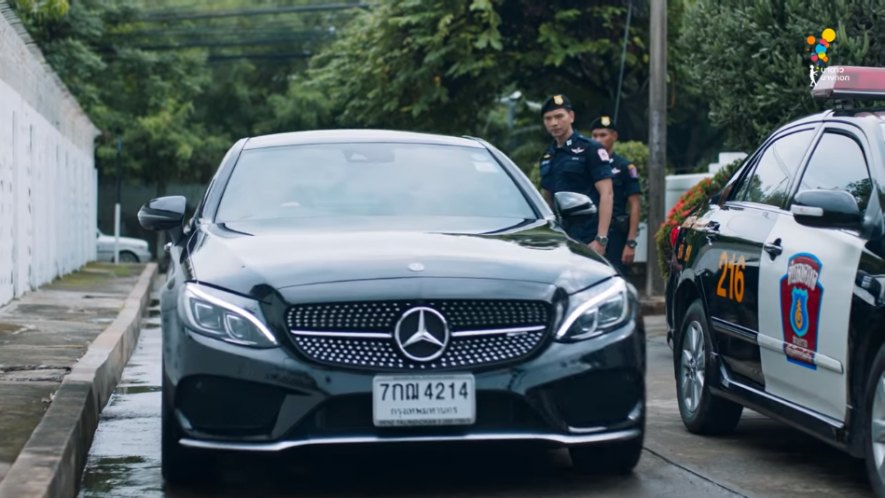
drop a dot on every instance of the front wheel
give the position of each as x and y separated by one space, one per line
701 411
128 257
874 422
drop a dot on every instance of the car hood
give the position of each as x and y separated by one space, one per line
282 254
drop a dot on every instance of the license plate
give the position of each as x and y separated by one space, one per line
412 400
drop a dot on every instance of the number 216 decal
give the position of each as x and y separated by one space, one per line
731 280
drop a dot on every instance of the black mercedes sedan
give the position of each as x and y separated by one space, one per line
375 287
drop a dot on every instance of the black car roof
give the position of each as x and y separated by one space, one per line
358 136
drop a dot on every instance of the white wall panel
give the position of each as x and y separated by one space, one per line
48 181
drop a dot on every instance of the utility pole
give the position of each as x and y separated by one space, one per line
657 139
117 204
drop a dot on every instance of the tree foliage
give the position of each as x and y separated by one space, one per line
442 65
427 65
43 9
749 59
173 109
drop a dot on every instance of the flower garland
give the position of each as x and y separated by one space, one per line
696 196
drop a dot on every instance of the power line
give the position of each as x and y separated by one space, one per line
223 30
267 57
179 15
238 43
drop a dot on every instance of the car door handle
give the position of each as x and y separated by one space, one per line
712 230
773 249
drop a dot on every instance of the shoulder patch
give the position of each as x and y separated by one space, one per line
634 172
603 154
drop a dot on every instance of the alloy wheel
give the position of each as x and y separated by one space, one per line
692 366
877 427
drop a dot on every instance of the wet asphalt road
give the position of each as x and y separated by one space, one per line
764 458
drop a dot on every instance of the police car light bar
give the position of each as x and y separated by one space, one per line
850 82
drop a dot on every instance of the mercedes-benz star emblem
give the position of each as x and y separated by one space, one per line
416 267
422 334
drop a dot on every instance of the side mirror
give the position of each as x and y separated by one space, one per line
826 209
573 204
163 213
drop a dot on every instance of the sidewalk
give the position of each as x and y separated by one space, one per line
62 349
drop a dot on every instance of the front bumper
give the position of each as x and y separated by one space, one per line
233 398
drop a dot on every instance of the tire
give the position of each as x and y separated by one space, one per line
701 411
610 458
181 466
128 257
874 416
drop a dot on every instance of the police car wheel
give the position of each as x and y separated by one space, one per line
701 411
874 437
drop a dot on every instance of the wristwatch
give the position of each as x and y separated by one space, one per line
602 239
632 243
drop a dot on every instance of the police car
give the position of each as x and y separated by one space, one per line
776 295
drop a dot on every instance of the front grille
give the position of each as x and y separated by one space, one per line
382 316
360 335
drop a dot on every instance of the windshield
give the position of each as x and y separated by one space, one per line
370 179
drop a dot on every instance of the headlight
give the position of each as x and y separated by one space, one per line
225 316
596 310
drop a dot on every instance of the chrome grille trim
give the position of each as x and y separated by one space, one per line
550 438
514 330
324 333
382 335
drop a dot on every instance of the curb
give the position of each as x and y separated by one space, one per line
51 462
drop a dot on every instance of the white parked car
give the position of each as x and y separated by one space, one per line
131 250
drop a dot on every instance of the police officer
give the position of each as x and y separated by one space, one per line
621 248
575 163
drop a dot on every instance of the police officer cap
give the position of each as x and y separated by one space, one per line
603 122
554 102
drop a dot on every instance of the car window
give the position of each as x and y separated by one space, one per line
370 179
769 182
838 163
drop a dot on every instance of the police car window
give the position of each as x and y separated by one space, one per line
769 182
838 163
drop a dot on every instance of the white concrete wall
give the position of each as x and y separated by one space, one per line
48 181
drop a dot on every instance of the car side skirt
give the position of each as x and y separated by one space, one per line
820 426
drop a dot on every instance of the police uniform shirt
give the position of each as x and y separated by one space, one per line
576 167
625 182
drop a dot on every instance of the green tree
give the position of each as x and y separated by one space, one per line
749 59
415 64
180 89
442 65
